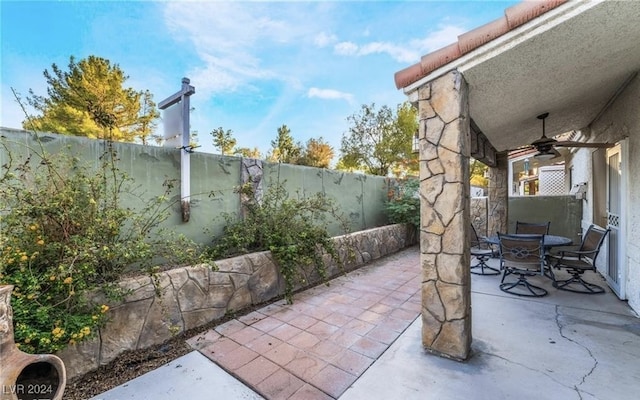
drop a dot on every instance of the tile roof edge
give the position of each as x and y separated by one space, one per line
513 17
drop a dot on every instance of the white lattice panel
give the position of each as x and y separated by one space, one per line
551 181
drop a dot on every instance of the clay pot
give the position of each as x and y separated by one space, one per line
25 376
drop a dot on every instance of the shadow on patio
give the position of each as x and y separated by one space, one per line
355 339
561 346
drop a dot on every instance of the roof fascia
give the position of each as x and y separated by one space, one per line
507 41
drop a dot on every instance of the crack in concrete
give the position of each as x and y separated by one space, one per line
595 360
548 375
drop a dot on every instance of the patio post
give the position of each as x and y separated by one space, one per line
444 142
498 206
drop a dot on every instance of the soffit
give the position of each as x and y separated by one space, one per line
570 61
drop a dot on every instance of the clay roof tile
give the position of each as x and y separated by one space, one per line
524 12
514 16
484 34
440 57
408 75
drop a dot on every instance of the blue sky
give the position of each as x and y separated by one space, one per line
255 65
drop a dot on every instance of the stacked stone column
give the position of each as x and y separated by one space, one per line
498 196
445 217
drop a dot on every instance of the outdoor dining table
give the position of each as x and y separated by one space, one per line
548 241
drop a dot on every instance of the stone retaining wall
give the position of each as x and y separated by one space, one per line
185 298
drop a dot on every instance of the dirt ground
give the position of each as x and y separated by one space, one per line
126 367
132 364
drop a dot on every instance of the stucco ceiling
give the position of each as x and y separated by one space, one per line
569 62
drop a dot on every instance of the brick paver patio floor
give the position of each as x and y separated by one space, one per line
318 346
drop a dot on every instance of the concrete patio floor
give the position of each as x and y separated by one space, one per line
360 338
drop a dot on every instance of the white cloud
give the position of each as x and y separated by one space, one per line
330 94
324 39
444 36
346 48
239 43
404 53
222 35
398 53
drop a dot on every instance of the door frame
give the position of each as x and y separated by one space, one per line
619 288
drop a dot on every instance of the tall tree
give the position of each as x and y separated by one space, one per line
223 140
147 118
249 153
379 140
317 153
407 121
90 100
283 148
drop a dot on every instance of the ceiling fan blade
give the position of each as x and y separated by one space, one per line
519 151
583 144
544 141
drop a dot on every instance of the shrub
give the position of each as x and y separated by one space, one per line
403 204
65 237
293 229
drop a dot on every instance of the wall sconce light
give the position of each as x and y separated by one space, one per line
579 190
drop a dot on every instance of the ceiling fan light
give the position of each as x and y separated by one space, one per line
545 155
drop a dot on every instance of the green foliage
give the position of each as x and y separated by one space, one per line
293 229
318 153
403 206
147 119
478 171
379 140
248 153
66 238
283 148
223 140
90 100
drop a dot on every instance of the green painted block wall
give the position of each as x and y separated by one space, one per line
564 212
213 180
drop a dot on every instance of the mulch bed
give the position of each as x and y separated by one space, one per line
132 364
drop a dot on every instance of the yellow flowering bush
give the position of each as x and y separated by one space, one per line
65 238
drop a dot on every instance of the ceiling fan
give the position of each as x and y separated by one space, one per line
546 146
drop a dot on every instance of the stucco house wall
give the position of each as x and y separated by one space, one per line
580 163
620 121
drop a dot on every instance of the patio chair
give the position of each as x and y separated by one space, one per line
482 251
523 256
577 262
532 228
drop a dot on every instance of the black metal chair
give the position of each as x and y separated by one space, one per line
532 228
577 262
482 251
523 256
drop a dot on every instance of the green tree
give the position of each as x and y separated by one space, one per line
249 153
317 153
148 117
223 140
379 140
407 122
340 166
283 148
90 100
477 173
